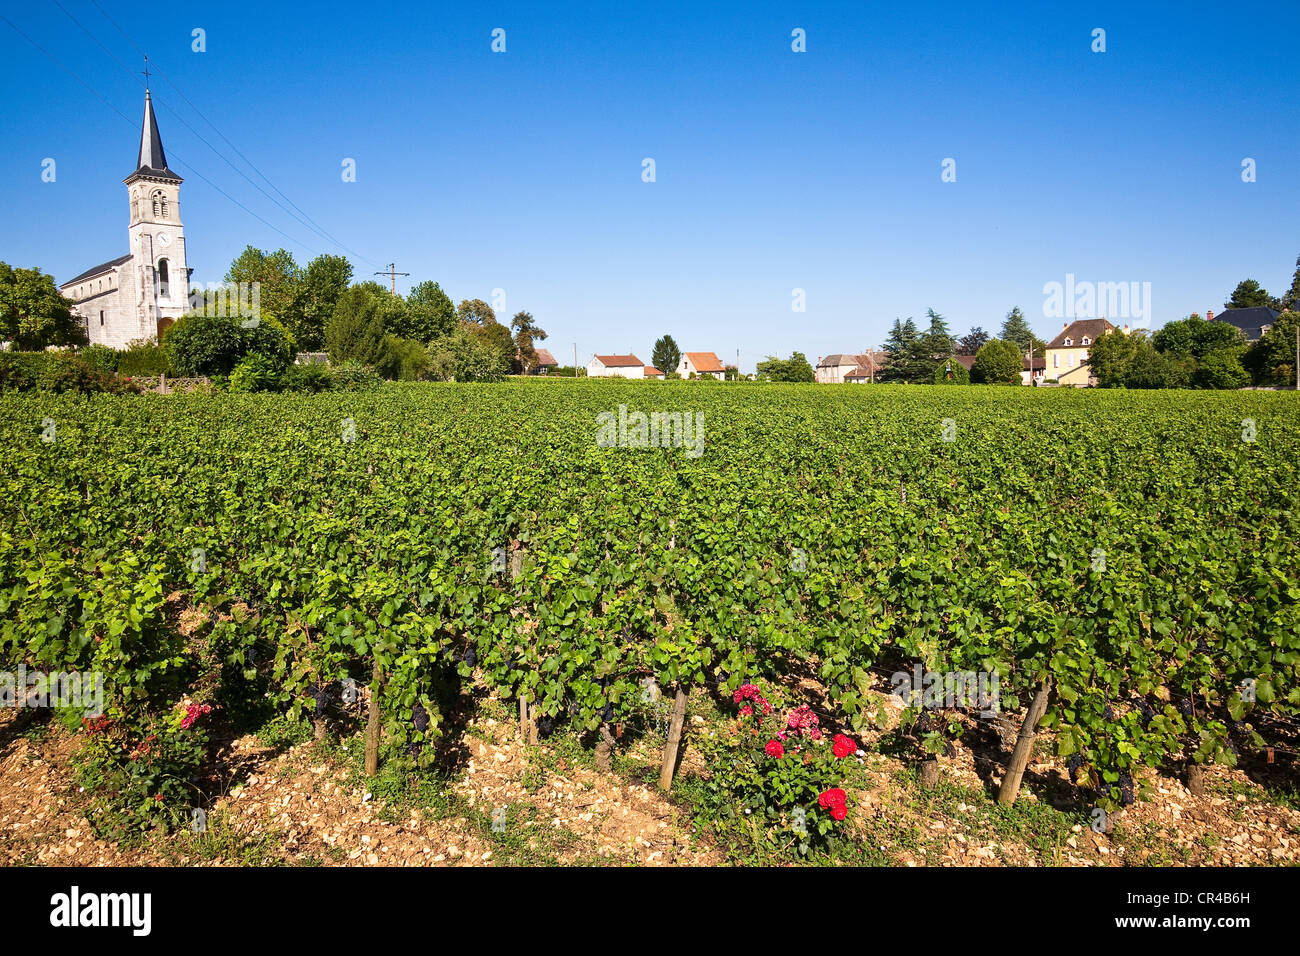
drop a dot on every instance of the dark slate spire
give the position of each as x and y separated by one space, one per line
153 161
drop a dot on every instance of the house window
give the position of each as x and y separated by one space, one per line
1056 360
1069 341
1086 340
1263 329
164 284
101 317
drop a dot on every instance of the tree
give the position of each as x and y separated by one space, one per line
433 314
526 331
937 341
464 357
1271 360
1194 337
279 282
1150 368
1016 329
1221 369
970 343
32 312
1291 298
998 362
476 311
909 357
323 283
1249 295
355 332
796 368
1110 357
202 343
666 355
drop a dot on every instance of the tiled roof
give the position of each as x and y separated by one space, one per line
1250 321
98 270
545 358
705 361
651 370
1078 330
619 361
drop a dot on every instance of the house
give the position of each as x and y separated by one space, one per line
615 366
701 364
1252 322
140 294
1033 371
651 372
848 367
545 363
1067 354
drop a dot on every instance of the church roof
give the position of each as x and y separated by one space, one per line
153 161
98 270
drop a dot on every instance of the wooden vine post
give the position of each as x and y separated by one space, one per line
1024 745
373 723
669 765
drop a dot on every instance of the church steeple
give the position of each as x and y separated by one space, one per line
153 161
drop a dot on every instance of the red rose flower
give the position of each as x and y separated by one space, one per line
774 749
843 746
836 801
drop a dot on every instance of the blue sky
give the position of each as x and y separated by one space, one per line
775 170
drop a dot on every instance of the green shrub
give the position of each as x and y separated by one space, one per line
951 372
355 377
14 374
403 359
202 344
101 358
1221 369
308 377
67 373
144 358
140 771
254 373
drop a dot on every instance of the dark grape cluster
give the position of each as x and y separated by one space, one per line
1108 713
470 657
1073 767
608 713
1125 789
545 725
419 718
1185 708
321 694
1148 714
1201 646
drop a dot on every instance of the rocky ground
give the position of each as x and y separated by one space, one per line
505 803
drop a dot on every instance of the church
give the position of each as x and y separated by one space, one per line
138 295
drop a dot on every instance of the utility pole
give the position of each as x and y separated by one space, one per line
392 274
575 359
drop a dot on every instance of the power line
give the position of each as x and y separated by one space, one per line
302 219
131 122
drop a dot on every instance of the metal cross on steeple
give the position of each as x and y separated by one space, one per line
146 73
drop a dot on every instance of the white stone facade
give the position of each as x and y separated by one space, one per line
136 296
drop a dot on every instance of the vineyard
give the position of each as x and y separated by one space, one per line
1126 562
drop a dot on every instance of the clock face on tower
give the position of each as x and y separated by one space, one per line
164 239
